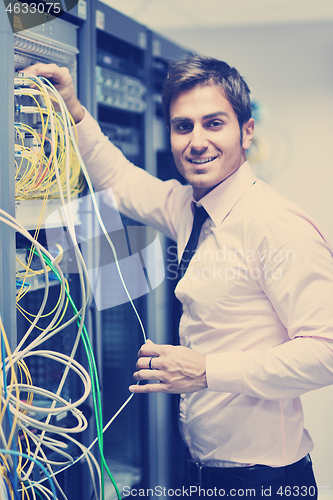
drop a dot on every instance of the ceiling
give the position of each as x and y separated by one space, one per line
167 15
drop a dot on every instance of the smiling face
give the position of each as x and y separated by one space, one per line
206 139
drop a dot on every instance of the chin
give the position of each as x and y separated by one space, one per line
202 183
200 177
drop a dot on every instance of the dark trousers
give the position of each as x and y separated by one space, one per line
293 483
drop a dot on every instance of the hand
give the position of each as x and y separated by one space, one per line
63 83
175 369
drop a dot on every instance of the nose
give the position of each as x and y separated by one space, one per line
199 141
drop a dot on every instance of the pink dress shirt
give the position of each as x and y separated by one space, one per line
257 300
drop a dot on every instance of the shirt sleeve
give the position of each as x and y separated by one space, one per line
138 194
296 275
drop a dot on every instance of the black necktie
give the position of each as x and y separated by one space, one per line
200 215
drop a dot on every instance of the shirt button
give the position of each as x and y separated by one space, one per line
207 232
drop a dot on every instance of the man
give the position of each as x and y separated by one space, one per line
257 329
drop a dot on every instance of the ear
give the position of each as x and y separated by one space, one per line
248 129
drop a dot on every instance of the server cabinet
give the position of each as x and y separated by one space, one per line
166 446
129 55
120 106
25 140
118 66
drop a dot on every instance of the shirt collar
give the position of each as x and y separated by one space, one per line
219 202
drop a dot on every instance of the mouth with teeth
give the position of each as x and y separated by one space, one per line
202 161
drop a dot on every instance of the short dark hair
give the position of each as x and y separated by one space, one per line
196 70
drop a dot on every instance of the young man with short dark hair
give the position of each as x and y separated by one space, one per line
256 288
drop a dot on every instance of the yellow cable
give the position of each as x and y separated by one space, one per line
20 467
23 368
26 190
36 179
43 315
13 383
23 312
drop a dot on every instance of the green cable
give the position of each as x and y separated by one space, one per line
95 389
37 492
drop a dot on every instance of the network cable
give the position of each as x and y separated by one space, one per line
45 171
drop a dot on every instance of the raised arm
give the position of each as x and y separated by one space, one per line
138 195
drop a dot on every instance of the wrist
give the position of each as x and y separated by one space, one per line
76 110
203 377
200 369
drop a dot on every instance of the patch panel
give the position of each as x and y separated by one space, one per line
120 91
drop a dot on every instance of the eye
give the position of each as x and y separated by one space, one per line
184 127
215 124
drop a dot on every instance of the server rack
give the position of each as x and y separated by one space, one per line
52 42
133 60
119 105
166 444
154 53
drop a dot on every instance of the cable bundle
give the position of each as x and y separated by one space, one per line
36 164
41 175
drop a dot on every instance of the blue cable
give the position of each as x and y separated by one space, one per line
11 482
7 489
24 455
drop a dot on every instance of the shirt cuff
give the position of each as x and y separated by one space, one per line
223 372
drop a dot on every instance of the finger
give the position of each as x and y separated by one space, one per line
145 374
148 349
147 388
31 69
58 74
147 362
41 69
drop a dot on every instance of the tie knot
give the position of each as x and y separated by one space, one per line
200 215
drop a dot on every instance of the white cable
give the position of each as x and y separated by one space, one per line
86 455
3 491
46 492
59 98
38 390
91 189
54 445
96 439
26 91
69 362
101 223
70 227
43 459
34 438
32 489
5 446
90 458
12 222
71 230
82 421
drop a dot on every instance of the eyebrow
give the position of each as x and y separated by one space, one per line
206 117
